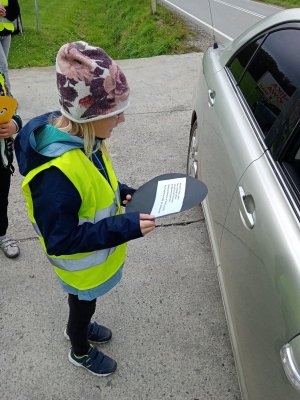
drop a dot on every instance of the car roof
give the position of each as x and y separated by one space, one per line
282 17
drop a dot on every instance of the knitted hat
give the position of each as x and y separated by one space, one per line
90 84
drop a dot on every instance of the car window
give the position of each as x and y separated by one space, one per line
285 124
270 84
240 62
291 164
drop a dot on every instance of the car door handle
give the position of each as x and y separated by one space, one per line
247 208
289 354
211 97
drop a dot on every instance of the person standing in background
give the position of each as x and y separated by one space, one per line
7 131
9 11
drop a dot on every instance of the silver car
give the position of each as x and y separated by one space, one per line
245 145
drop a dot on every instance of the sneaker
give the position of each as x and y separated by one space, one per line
95 362
9 248
96 333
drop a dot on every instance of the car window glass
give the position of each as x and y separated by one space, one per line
271 86
291 164
240 62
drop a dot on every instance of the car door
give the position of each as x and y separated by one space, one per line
227 145
261 277
260 244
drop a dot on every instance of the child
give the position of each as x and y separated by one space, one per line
73 197
8 246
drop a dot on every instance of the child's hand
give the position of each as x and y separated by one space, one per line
128 198
147 223
7 130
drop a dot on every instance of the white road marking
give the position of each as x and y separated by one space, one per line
240 9
198 20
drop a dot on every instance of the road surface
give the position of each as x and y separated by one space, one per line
228 17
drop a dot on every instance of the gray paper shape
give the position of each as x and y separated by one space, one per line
143 199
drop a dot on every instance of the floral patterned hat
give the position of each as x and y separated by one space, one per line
90 84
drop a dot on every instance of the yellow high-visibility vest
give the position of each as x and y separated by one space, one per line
99 200
2 84
4 22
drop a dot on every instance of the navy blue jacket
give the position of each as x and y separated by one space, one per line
56 201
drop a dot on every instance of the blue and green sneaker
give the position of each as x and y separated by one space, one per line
95 362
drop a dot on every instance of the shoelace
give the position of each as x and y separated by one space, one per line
4 243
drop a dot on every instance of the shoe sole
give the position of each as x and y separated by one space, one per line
72 361
91 341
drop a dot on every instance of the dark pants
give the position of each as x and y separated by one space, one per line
5 176
80 315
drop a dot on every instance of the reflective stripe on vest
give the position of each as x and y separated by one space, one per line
99 200
88 261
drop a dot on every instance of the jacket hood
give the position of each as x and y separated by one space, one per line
39 142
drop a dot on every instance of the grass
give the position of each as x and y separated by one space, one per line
124 28
283 3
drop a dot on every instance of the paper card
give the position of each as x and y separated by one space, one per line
8 106
169 197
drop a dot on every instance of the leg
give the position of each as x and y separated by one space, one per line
8 246
82 353
4 50
80 316
5 176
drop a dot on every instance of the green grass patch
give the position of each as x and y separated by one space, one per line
123 28
283 3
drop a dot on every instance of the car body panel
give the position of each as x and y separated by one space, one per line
261 278
252 216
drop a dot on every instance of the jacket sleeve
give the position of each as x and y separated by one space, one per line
56 204
125 190
18 121
12 10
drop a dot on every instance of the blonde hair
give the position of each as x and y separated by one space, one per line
85 130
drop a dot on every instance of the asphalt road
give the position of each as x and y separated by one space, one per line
228 18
